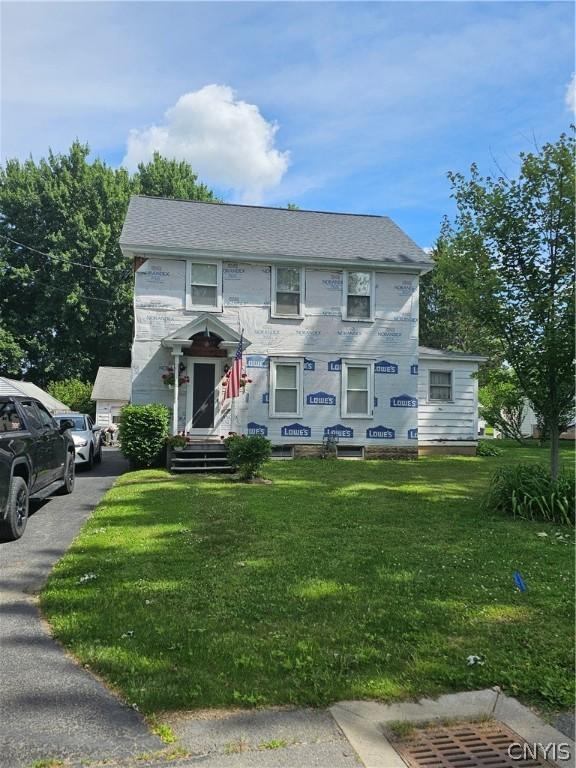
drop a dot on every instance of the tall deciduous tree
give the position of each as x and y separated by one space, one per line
447 316
517 236
65 288
170 178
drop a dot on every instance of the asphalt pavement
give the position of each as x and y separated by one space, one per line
50 707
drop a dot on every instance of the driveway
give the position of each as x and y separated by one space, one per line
50 707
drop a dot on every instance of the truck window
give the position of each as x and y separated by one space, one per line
10 420
45 418
31 414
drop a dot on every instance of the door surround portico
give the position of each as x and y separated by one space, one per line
181 340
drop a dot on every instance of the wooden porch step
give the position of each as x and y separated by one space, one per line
223 458
206 470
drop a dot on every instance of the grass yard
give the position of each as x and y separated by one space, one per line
342 580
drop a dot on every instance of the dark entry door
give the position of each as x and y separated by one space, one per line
203 384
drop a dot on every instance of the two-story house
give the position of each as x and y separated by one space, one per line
326 305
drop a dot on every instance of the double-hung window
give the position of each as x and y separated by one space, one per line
204 286
357 389
286 387
287 291
440 386
358 296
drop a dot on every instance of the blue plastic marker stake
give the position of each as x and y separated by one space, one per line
519 581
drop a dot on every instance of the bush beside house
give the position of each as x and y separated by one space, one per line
143 433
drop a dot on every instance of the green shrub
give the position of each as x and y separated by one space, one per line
176 441
487 448
143 432
527 491
247 453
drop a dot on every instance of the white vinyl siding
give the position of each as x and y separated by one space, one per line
358 296
204 286
287 292
440 386
357 389
444 421
286 394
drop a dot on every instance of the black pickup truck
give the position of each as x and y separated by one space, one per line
36 460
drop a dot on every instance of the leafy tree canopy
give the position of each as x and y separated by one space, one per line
65 288
515 238
74 393
502 402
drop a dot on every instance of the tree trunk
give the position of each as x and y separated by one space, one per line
554 448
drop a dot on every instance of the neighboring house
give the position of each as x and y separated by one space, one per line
327 306
19 388
111 392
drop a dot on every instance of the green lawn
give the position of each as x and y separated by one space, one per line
342 580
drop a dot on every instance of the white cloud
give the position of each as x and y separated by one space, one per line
227 142
570 97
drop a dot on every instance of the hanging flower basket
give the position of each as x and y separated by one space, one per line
169 378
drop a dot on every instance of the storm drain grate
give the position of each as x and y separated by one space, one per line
468 745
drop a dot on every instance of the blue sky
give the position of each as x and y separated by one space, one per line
359 107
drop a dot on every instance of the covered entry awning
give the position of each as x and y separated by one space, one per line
204 336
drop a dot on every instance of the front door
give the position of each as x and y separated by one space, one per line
202 396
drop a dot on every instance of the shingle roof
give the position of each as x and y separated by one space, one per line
26 388
155 222
446 354
112 384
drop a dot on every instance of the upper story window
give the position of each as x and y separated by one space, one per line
358 296
357 389
204 286
440 386
287 291
286 394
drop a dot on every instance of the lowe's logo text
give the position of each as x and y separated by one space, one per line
256 361
381 433
296 430
413 434
320 398
338 430
385 367
309 365
335 365
257 429
403 401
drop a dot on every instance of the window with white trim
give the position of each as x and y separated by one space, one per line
204 286
440 385
287 291
358 296
357 389
286 387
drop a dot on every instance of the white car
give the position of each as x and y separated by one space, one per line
87 438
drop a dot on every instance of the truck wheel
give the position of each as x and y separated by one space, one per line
69 476
12 527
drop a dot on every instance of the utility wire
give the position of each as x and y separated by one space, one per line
57 258
64 290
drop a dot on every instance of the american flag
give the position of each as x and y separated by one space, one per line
233 388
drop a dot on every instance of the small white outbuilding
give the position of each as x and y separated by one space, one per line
111 392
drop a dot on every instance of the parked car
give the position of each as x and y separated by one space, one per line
36 460
87 438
